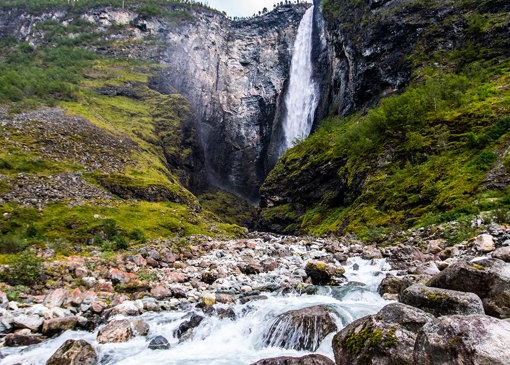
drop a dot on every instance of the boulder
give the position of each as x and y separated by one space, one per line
56 298
160 292
115 331
485 243
140 327
302 329
487 278
322 273
186 328
16 340
33 323
502 253
441 302
474 339
159 343
305 360
74 352
387 337
54 326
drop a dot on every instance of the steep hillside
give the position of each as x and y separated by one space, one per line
90 151
433 149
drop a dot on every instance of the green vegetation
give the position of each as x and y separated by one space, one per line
364 343
229 208
147 7
430 154
143 139
25 268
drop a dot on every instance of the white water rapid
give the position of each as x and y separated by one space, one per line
301 98
226 341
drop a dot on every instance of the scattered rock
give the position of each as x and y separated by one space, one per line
74 352
387 337
305 360
442 302
115 331
16 340
485 243
160 292
140 327
186 328
474 339
56 298
487 278
55 326
502 253
159 343
33 323
302 329
322 273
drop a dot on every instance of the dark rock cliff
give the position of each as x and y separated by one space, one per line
234 74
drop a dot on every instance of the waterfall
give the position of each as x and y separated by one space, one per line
301 98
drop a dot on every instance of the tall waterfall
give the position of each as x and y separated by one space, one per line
301 98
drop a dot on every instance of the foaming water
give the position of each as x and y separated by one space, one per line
301 98
225 341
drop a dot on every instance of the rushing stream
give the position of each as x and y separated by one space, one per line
226 341
301 98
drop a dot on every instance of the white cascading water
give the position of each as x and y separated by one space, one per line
301 98
225 341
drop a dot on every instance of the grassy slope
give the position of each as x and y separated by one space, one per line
420 157
63 73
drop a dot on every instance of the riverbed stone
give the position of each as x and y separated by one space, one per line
305 360
441 302
17 340
387 337
473 339
32 322
322 273
301 329
485 243
56 298
185 330
502 253
115 331
488 278
140 327
74 352
55 326
159 343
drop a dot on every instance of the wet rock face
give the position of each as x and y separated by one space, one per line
305 360
115 331
488 278
475 339
387 337
441 302
74 352
302 329
234 74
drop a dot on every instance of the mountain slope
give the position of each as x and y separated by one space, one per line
434 150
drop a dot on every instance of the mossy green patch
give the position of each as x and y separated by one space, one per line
229 208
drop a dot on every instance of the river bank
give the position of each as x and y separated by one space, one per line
240 286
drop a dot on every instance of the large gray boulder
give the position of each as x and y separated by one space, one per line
387 337
302 329
469 340
441 302
305 360
115 331
487 278
74 352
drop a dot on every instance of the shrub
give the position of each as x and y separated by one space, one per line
12 244
138 235
25 269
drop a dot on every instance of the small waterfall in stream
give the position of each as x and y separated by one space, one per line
301 98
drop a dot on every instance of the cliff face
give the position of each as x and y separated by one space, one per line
233 73
426 63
